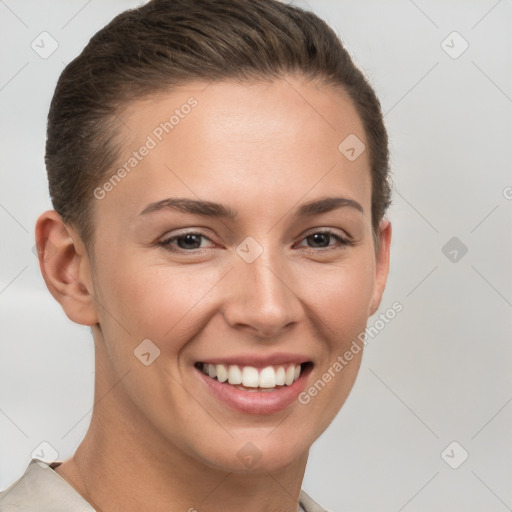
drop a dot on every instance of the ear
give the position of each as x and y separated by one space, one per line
382 265
65 267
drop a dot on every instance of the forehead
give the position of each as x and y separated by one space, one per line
226 141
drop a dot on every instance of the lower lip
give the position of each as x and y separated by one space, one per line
256 402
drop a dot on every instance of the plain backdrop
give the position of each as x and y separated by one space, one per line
435 384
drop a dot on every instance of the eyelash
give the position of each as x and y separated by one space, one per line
343 242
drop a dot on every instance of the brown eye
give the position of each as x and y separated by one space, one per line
185 242
189 240
319 239
322 239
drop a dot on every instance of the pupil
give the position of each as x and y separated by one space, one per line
319 237
189 239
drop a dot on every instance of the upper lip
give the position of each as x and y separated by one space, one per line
258 360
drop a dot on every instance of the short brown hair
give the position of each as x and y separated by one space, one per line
166 43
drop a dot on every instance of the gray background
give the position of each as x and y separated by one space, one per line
438 373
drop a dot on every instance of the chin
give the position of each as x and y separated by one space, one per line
259 452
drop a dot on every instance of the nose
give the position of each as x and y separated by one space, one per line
262 298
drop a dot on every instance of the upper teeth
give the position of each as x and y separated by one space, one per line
248 376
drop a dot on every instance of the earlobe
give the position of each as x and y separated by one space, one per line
65 267
382 265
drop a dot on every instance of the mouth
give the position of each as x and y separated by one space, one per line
255 389
251 378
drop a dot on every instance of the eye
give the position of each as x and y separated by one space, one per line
185 242
321 239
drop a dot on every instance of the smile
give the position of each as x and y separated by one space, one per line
243 377
263 389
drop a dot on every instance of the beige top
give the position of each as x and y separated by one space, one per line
43 490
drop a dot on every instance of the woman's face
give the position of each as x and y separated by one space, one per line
240 239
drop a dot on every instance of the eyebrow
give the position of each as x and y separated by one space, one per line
217 210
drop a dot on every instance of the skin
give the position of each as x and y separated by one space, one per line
157 439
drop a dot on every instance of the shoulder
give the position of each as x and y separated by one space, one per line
308 504
41 489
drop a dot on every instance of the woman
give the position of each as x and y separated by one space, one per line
219 175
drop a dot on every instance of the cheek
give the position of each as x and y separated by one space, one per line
340 294
155 300
341 299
